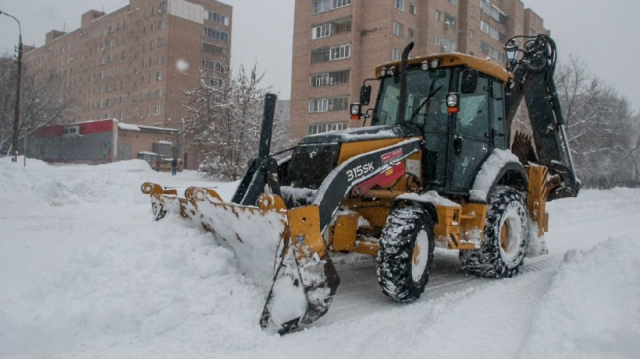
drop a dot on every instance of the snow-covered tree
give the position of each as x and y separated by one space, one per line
598 122
44 101
224 119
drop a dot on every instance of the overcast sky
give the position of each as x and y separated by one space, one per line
602 34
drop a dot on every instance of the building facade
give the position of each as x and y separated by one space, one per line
101 141
135 63
338 43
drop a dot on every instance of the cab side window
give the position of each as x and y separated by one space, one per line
473 118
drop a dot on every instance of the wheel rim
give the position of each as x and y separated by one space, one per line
511 234
504 236
420 257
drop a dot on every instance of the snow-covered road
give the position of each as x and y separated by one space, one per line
86 273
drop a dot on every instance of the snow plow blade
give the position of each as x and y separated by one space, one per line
302 280
305 280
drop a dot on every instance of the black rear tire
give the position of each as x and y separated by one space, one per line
506 237
405 258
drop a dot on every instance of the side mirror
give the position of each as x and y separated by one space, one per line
365 94
469 81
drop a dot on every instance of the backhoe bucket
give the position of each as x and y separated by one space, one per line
278 248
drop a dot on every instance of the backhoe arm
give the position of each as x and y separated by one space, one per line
533 67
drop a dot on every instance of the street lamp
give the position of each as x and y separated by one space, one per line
16 120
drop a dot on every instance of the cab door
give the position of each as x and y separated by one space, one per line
472 141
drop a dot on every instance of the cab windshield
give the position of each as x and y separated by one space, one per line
420 84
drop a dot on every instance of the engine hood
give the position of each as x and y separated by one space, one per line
362 134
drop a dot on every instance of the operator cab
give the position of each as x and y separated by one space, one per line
457 103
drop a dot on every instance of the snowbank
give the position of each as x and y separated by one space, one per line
85 272
592 309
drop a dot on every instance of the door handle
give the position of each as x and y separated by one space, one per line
457 145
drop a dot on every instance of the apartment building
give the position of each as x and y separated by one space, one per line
338 43
133 64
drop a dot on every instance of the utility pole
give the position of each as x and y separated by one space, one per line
16 120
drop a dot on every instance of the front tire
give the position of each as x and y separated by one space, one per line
506 236
405 258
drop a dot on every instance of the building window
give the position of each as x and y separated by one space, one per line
495 53
216 34
472 34
484 26
412 34
398 29
214 82
213 49
453 2
332 104
326 127
449 45
160 58
330 78
340 3
485 6
473 13
396 54
340 52
449 21
413 9
160 41
163 24
438 15
215 17
320 55
159 93
212 65
330 53
320 105
159 76
339 103
320 6
399 4
494 33
437 40
321 31
158 110
484 47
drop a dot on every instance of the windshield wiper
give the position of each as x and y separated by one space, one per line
424 102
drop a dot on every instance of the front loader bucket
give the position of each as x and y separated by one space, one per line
253 233
279 248
305 280
163 200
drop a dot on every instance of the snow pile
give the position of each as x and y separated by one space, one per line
592 309
85 272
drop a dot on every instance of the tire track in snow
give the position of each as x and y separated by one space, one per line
359 295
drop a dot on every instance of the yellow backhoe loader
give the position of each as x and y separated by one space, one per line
434 167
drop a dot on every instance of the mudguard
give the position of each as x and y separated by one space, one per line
502 167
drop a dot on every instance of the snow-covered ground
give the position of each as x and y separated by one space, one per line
86 273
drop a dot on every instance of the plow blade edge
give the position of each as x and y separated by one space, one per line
305 280
280 249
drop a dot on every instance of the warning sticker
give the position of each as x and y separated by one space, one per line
391 156
413 167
